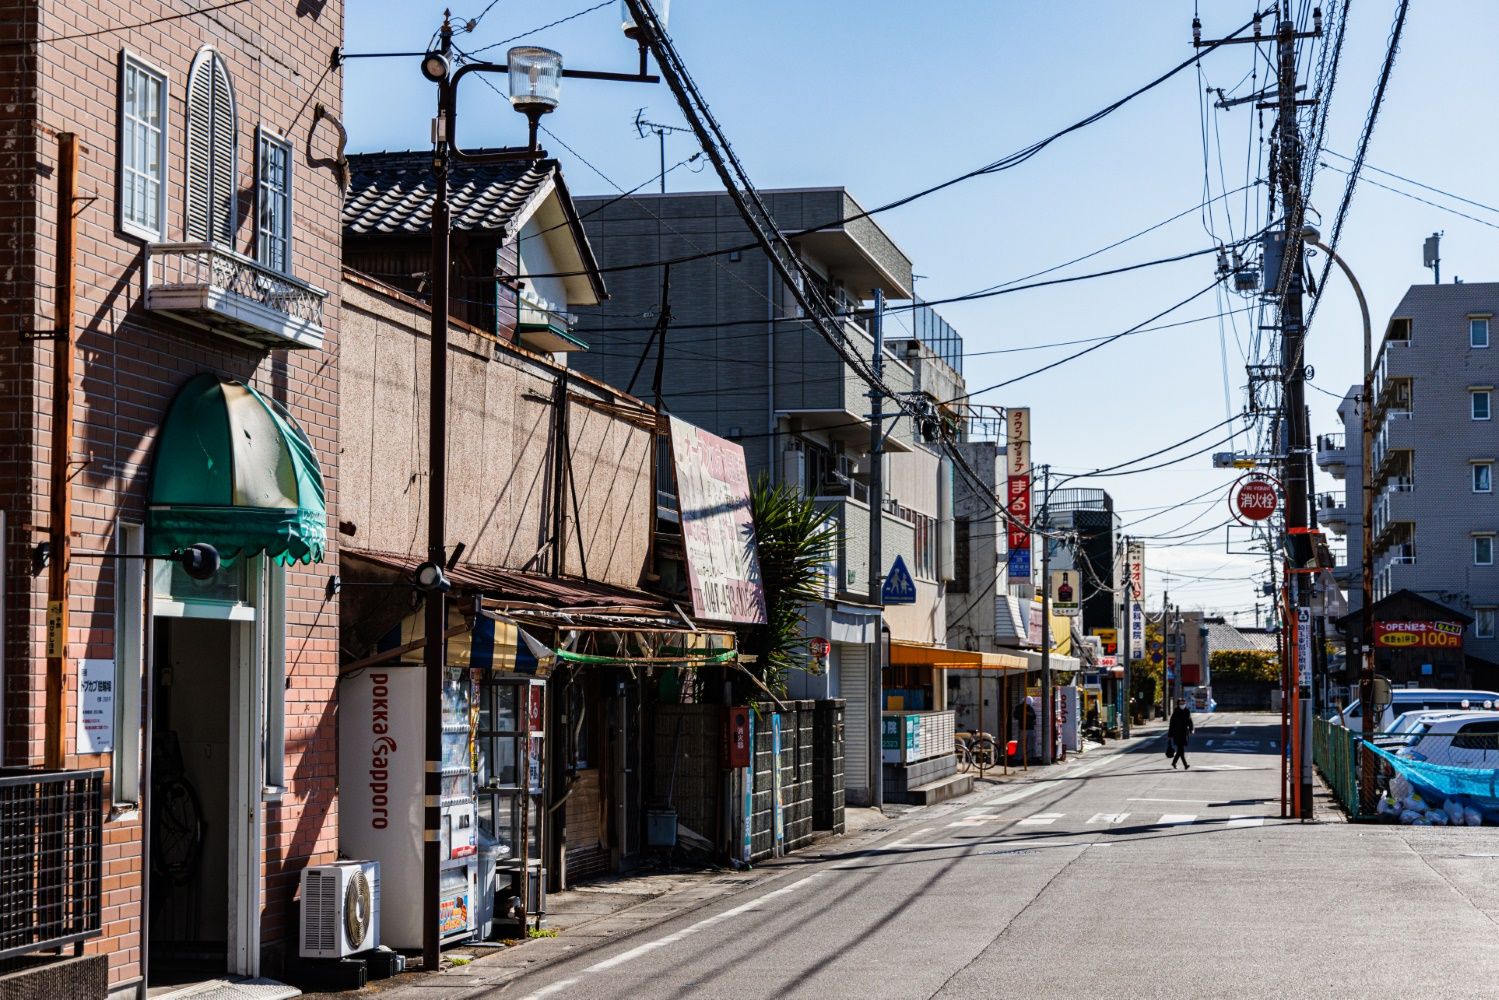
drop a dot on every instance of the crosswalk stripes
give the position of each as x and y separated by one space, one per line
1109 819
1176 819
1041 819
1235 819
984 818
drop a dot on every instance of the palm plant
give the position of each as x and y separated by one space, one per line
796 540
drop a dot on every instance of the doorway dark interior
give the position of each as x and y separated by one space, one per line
190 788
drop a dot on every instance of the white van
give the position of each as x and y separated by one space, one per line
1415 700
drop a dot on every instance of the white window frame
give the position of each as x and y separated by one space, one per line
1488 404
1489 540
1473 325
1479 630
130 663
1488 467
129 61
265 137
273 630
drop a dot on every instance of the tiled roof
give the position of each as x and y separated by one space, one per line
393 192
1222 636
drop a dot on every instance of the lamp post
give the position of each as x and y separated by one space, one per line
535 82
1309 234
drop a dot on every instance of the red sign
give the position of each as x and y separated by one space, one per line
1418 635
819 647
736 732
1255 499
1018 503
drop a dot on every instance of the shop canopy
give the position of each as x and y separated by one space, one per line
1058 662
913 654
234 470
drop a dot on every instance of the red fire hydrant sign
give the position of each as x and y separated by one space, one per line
1254 497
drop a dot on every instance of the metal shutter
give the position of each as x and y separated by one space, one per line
853 688
211 160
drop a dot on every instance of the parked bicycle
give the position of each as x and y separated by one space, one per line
976 750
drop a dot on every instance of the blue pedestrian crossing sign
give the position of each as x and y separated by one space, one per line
898 588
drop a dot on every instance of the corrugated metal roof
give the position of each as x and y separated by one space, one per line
393 193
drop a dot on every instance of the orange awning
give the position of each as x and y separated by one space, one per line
913 654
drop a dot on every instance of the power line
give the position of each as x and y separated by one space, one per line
1415 183
1415 197
544 27
130 27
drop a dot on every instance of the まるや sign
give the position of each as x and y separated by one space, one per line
1418 635
1254 498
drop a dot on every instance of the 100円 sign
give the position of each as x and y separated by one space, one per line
1422 634
1254 497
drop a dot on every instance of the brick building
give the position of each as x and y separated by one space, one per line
204 409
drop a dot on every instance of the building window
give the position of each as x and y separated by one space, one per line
1483 623
1483 550
212 180
273 197
1483 477
143 149
1478 331
961 556
129 635
1480 403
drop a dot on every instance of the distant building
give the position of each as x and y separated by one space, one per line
1436 512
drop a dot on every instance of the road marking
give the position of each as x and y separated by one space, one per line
906 840
1236 819
971 821
1193 801
1041 819
1176 819
548 990
1109 818
1222 767
662 942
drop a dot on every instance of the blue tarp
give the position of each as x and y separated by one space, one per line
1436 782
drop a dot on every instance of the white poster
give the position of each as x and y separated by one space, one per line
96 706
713 495
1136 631
1066 593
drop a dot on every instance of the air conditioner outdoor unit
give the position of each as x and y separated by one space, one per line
340 909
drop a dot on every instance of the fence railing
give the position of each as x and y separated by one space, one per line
1336 751
51 858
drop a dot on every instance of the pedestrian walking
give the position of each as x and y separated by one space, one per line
1177 732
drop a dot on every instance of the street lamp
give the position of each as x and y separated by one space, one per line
535 83
1309 234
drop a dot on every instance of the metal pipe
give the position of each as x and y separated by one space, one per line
876 540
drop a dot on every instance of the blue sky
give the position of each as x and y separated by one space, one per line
887 98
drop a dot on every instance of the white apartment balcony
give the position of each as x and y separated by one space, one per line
1332 455
1396 434
213 287
1332 513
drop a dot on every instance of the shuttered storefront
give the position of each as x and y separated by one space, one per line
854 689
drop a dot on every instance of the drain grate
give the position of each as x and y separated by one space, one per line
1010 854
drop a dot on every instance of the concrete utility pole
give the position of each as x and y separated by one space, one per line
876 543
1048 717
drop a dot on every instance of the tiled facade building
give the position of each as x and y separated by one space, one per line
204 408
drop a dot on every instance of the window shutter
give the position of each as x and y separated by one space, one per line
211 161
199 148
222 192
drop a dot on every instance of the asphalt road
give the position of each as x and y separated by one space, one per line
1116 876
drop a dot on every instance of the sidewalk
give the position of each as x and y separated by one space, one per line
594 915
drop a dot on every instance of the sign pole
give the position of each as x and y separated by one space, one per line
876 540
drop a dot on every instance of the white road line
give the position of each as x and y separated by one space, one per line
1018 794
1236 819
549 989
972 821
1109 818
1176 819
1041 819
718 918
1193 801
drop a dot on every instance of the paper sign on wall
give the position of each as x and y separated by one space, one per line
96 706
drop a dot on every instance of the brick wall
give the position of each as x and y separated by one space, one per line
130 364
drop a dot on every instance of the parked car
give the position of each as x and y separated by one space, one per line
1467 739
1405 723
1415 699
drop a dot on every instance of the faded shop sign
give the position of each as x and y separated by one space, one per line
713 493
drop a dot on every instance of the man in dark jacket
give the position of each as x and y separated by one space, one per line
1176 734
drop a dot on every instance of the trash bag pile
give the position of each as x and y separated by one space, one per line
1402 803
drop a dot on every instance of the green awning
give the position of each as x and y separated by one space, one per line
234 469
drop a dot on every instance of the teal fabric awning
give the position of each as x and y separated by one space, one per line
235 470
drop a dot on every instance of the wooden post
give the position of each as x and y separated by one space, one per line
60 518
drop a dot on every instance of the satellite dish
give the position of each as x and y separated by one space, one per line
1383 697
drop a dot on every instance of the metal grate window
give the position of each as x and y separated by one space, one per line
51 857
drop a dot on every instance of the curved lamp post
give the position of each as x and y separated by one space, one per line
1310 235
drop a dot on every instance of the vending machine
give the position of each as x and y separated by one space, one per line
382 761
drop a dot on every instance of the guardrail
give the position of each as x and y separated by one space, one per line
51 858
1336 752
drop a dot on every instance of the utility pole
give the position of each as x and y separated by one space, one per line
1048 717
876 542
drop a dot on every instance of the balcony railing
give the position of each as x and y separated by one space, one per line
51 858
211 286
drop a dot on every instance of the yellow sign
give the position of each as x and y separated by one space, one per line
57 640
1110 638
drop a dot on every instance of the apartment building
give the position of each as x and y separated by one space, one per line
1435 513
738 359
171 251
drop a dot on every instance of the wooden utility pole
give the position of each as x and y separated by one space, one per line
60 517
